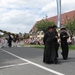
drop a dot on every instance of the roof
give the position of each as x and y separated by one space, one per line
68 15
64 17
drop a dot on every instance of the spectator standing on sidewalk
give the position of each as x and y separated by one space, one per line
10 41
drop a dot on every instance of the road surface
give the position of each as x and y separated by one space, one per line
28 61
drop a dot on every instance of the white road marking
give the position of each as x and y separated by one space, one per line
40 66
8 66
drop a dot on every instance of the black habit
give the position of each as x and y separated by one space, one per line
64 45
10 41
56 42
49 50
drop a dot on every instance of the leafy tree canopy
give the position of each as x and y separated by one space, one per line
43 25
70 25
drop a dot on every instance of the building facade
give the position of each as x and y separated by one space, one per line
39 34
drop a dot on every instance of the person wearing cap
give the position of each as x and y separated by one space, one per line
49 52
64 45
56 39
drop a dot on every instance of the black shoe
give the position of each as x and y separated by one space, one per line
57 55
47 62
56 62
65 58
62 54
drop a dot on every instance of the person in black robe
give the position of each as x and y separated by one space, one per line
56 39
10 41
64 45
49 50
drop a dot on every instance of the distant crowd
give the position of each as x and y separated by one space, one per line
7 41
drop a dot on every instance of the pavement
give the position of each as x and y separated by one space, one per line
29 61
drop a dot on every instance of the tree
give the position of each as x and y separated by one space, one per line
43 25
26 36
70 25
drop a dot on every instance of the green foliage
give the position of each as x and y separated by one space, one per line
70 25
26 36
43 25
3 35
71 47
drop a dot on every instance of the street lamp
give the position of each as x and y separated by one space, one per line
58 13
19 30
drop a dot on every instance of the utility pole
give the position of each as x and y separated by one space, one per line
58 13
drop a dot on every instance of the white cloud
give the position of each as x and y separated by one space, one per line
68 5
50 9
23 14
16 29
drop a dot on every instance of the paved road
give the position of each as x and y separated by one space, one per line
28 61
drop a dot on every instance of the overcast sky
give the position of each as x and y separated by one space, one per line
20 15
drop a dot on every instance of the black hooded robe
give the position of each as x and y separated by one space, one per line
10 41
64 44
56 42
49 52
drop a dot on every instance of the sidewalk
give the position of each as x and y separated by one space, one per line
17 44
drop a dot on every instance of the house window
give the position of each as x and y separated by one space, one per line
63 19
30 34
68 18
37 33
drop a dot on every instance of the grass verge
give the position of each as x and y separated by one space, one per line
71 47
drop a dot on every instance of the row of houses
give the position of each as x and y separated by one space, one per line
39 34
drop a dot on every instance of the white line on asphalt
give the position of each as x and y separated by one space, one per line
40 66
8 66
